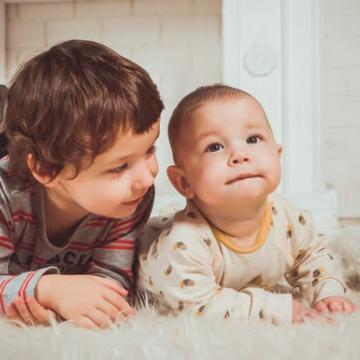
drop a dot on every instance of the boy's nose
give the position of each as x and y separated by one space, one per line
143 183
144 180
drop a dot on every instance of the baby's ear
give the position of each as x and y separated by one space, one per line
178 180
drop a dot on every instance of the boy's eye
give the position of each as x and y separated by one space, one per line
214 147
253 139
151 150
120 169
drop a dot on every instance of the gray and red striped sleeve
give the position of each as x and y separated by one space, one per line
14 286
114 257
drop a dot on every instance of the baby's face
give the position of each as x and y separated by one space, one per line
228 153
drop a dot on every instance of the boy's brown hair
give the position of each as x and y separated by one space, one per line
70 101
3 91
193 101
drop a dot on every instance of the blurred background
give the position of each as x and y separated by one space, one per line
301 58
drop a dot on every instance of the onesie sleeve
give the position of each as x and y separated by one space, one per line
314 274
178 270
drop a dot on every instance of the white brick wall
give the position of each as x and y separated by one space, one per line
44 11
177 41
102 9
340 105
19 34
132 31
61 30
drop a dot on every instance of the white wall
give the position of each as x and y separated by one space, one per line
177 41
340 105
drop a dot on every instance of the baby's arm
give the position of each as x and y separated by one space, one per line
314 274
178 269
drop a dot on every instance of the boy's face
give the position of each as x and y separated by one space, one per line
228 154
116 182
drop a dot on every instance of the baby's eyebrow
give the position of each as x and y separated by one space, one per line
205 135
256 128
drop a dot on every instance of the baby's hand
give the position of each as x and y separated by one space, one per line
85 300
335 304
302 313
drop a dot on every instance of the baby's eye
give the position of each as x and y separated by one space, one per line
120 168
253 139
214 147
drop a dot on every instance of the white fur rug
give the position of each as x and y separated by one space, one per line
149 336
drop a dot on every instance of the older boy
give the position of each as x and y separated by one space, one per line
77 186
237 250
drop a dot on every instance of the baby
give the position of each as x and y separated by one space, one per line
237 250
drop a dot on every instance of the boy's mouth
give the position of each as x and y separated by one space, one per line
243 177
133 202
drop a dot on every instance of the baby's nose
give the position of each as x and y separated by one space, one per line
239 157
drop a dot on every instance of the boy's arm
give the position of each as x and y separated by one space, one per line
178 270
89 300
98 295
114 258
314 274
14 286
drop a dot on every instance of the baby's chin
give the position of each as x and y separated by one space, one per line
234 203
250 199
249 190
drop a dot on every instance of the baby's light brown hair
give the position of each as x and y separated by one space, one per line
192 102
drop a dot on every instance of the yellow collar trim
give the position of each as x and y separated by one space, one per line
260 237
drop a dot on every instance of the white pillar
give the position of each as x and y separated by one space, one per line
270 48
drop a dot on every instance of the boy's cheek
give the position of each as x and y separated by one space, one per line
155 166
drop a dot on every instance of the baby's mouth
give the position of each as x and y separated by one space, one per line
243 177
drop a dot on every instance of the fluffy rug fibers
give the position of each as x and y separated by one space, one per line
151 336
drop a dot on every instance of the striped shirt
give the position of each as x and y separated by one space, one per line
98 246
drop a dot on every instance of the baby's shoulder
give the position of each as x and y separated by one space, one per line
152 230
185 227
288 214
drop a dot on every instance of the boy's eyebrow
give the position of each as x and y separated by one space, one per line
124 158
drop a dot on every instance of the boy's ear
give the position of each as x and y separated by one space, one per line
35 170
279 149
178 180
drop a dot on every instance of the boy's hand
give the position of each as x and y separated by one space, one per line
335 304
86 300
29 312
302 313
